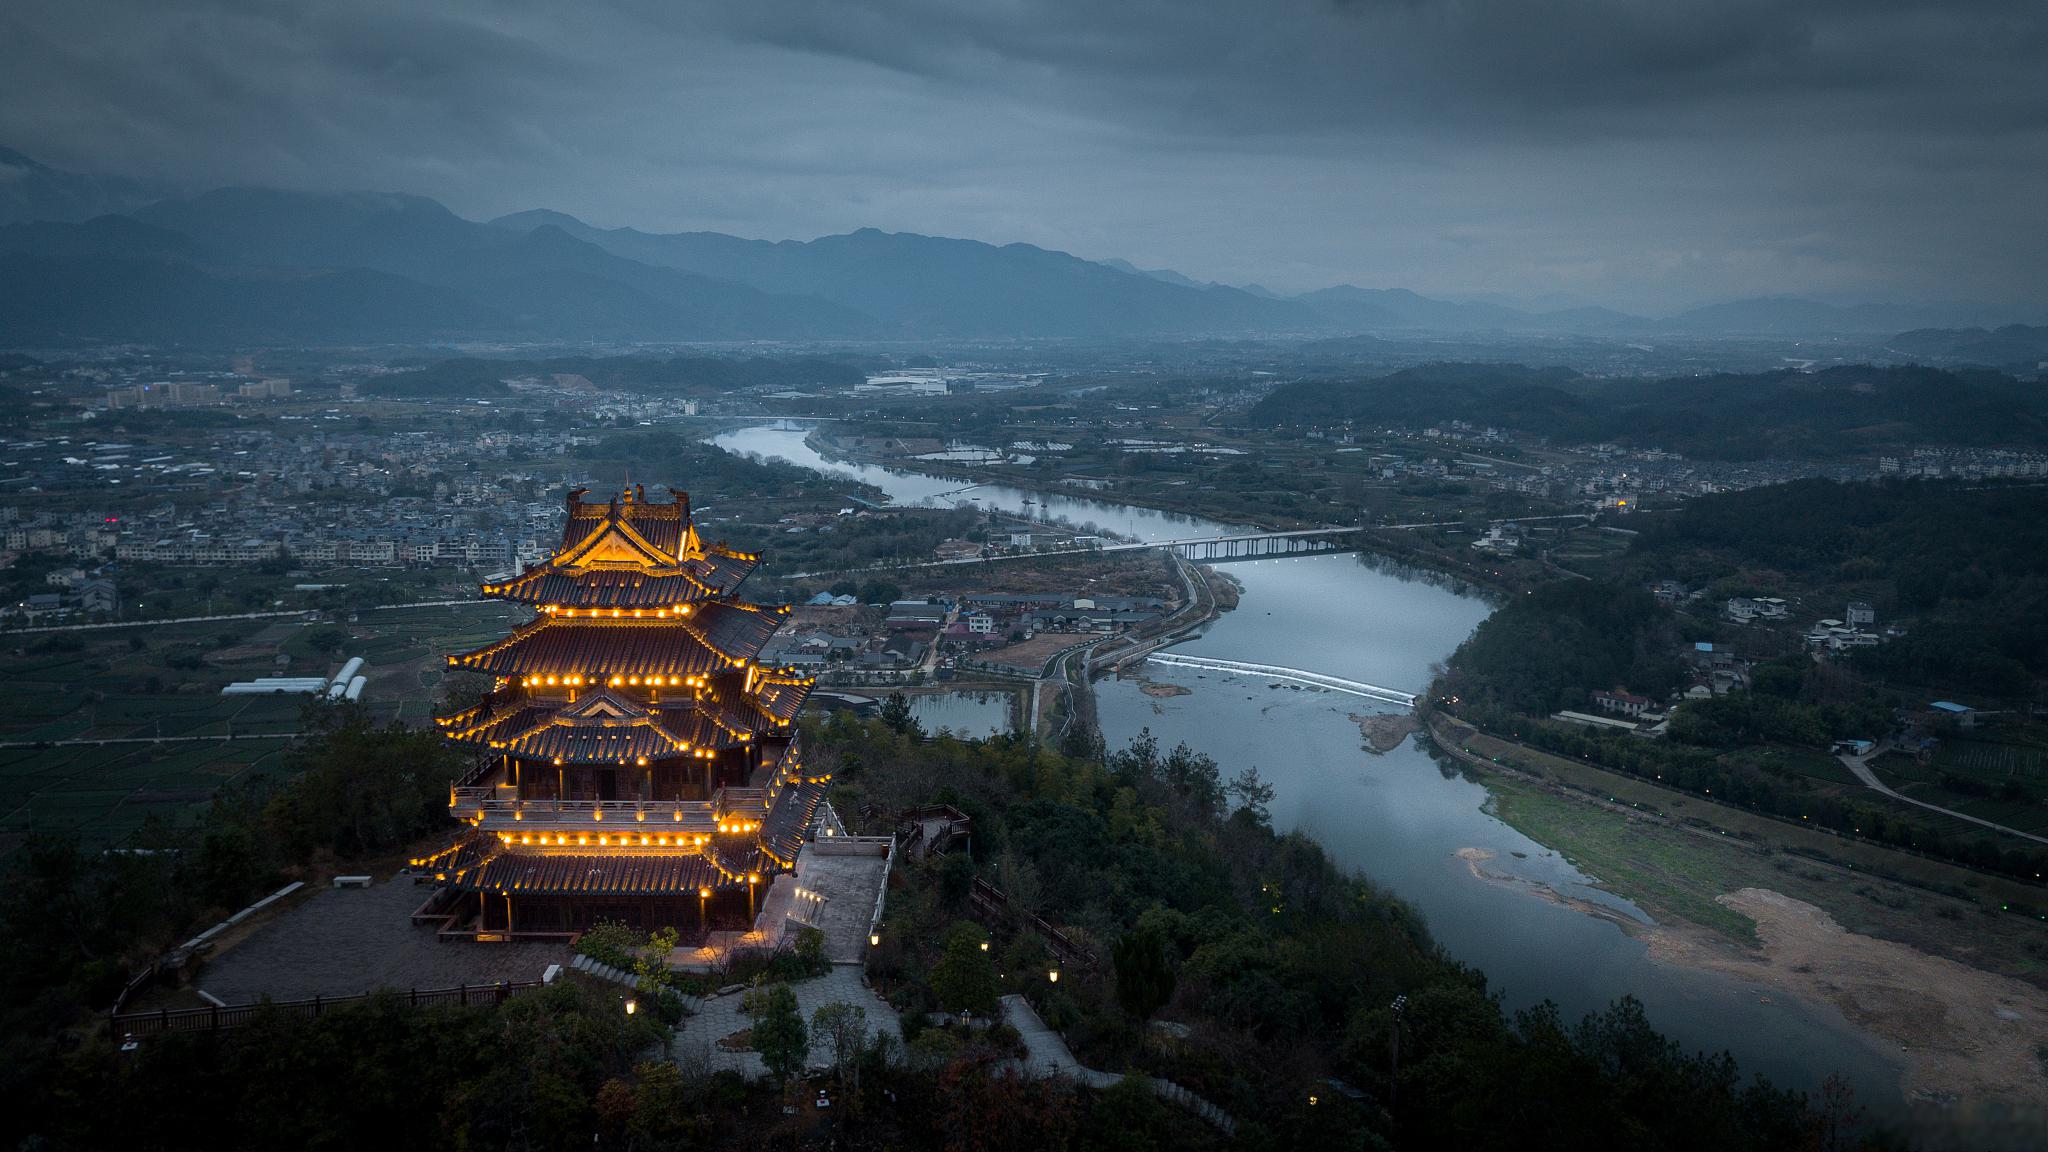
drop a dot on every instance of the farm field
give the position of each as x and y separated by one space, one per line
2004 781
171 741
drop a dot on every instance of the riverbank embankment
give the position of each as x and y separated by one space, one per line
1934 978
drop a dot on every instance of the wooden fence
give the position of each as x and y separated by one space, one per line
140 1024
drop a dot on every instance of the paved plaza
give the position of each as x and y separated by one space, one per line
697 1039
345 941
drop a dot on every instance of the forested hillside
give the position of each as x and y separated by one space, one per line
1964 565
1835 411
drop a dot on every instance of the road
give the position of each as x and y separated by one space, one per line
1860 765
308 613
92 743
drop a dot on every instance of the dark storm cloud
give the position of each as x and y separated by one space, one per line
1639 151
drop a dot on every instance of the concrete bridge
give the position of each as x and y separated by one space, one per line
1255 546
1294 675
1204 549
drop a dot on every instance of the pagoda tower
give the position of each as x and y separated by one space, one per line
632 760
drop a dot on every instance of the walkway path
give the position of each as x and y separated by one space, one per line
1046 1055
1860 765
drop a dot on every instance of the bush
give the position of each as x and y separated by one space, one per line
610 942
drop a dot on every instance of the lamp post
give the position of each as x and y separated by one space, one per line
1400 1007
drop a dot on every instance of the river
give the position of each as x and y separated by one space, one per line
1398 818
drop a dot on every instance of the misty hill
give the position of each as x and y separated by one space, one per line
1793 316
932 285
30 190
119 237
2015 347
1169 276
1393 308
1772 414
546 282
244 264
1368 309
59 301
267 265
117 279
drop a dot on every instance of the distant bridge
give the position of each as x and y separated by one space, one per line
1205 549
1295 675
1255 546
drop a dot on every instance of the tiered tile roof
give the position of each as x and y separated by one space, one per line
639 655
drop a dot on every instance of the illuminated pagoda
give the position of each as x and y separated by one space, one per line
632 761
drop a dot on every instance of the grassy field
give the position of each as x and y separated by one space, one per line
1674 854
1648 862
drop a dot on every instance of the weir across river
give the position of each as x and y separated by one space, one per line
1296 675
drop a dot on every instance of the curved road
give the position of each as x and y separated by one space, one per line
1861 767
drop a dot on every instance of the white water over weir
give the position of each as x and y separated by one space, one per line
1297 675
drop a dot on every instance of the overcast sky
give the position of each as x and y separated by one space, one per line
1641 153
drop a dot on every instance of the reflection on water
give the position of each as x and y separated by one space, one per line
1403 820
914 488
968 714
1398 818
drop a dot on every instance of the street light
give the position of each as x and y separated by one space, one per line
632 1006
1400 1006
874 939
1053 975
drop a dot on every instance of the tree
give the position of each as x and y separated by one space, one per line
779 1034
1252 796
650 965
896 714
956 879
1144 980
844 1029
327 639
991 1108
964 979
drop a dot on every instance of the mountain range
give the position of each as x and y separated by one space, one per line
104 260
